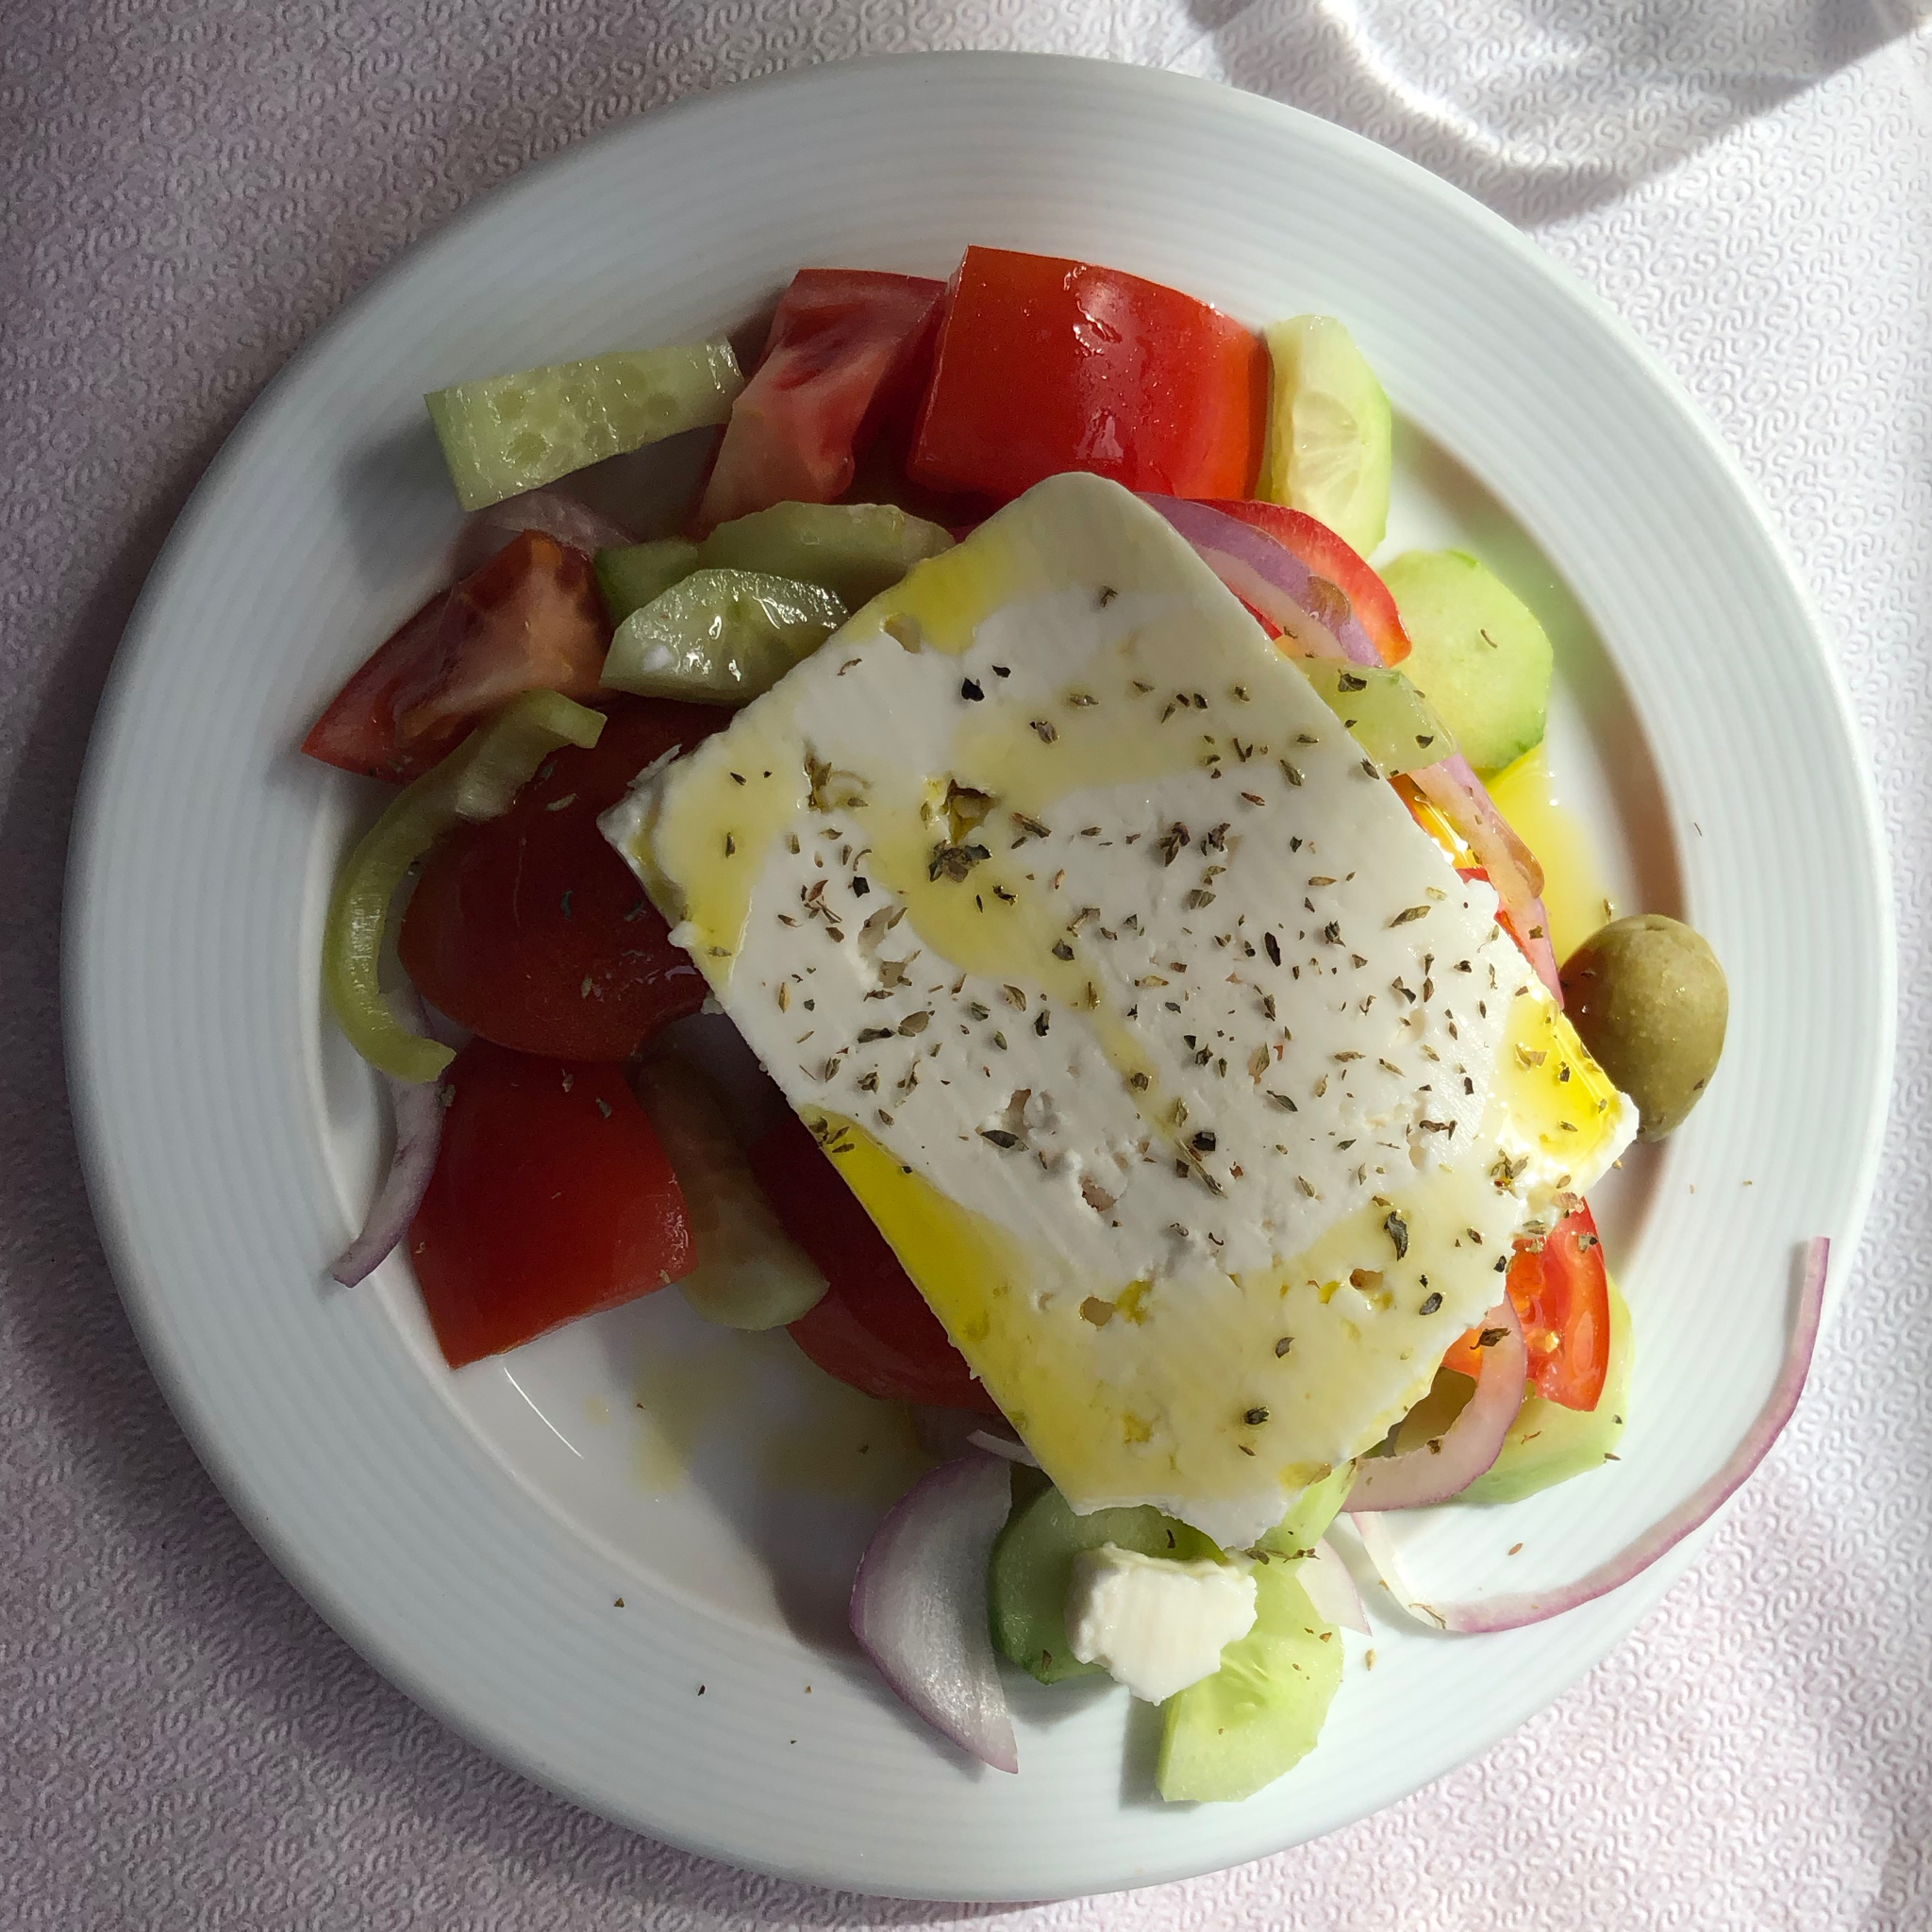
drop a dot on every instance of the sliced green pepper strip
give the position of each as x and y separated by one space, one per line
477 780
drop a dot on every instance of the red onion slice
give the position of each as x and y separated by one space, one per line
1331 1590
996 1443
919 1605
1514 1612
1536 942
1466 1449
417 1107
1267 576
549 510
1462 798
943 1433
1318 620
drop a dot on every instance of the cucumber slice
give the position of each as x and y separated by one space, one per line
720 636
1330 437
1260 1714
1033 1566
853 549
1480 657
749 1272
633 577
518 432
1307 1524
1385 713
1548 1443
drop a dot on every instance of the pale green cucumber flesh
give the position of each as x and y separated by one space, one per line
1260 1714
854 550
518 432
1033 1564
1548 1443
1307 1524
1330 443
1385 713
640 573
720 636
1479 656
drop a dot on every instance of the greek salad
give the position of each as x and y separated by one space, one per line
1170 1076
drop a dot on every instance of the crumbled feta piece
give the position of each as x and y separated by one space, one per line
1154 1624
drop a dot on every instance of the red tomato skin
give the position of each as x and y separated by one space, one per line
1045 364
1329 556
847 352
1505 918
357 732
552 1198
873 1329
531 931
529 619
1561 1292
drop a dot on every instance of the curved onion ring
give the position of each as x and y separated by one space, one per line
1536 942
1514 1612
418 1106
549 510
1453 788
1331 1590
1270 579
1009 1446
1319 623
1446 1465
919 1605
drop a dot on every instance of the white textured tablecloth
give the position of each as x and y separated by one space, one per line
190 188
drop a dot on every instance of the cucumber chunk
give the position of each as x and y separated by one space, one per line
1260 1714
518 432
1032 1567
856 550
721 637
634 575
748 1273
1385 713
1480 657
1548 1443
1307 1524
1330 444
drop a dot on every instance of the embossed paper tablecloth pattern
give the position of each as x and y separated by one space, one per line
190 189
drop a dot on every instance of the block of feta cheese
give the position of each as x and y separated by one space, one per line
1199 1094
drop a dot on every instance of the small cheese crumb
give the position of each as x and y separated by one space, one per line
1154 1624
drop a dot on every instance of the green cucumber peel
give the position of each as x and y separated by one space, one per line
721 637
1032 1567
517 432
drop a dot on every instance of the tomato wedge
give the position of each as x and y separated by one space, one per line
552 1198
1045 364
1561 1292
1330 558
530 619
531 931
873 1329
1525 943
847 348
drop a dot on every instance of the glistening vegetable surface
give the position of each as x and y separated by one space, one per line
1518 1609
1465 1450
478 781
919 1606
1473 384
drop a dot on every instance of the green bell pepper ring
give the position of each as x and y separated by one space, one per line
475 781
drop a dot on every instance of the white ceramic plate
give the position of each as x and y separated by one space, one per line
472 1534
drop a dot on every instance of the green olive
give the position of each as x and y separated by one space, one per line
1648 998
